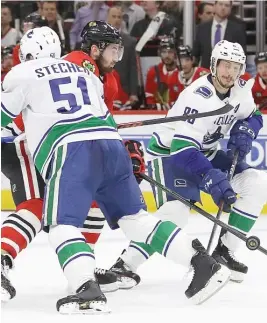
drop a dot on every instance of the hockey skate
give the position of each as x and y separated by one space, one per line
107 280
225 257
7 290
208 278
88 300
126 278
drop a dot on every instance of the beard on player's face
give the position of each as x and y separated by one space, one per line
104 65
225 81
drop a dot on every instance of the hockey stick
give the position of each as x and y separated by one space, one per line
218 216
225 109
252 243
141 84
8 140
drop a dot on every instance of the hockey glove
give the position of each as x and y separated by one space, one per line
241 138
216 184
136 153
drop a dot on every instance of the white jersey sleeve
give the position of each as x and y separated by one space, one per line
12 97
203 133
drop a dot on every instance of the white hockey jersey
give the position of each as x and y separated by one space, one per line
204 133
60 102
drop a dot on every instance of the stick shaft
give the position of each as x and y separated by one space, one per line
220 111
218 216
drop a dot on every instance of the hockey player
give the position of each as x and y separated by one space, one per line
259 89
98 38
161 88
96 55
187 159
189 72
33 20
76 147
17 165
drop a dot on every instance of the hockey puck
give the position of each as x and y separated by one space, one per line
253 243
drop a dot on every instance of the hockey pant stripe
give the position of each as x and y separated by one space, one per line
52 187
158 175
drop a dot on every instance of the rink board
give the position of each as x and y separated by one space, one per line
257 158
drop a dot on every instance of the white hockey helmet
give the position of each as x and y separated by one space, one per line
227 51
39 43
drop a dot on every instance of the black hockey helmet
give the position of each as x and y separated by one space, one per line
36 19
185 51
167 42
99 33
261 57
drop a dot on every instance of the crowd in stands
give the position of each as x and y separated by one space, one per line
172 65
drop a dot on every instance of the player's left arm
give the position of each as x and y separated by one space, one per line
12 98
246 129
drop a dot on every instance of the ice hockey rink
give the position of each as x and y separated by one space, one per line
160 296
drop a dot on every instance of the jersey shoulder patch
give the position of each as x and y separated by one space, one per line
241 82
204 91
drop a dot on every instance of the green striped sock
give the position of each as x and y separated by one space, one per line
72 250
241 221
163 236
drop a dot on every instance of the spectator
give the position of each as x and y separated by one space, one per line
9 36
173 9
95 10
161 88
155 20
126 69
189 72
49 11
33 20
205 12
211 32
39 8
131 14
259 89
6 61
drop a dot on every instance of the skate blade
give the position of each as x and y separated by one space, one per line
96 308
214 285
109 288
126 283
237 277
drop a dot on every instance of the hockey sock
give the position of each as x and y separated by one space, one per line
93 225
75 256
162 236
240 220
251 185
19 229
170 241
136 254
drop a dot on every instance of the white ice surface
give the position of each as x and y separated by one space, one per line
39 282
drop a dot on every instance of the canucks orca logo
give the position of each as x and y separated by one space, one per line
212 138
30 33
242 82
204 91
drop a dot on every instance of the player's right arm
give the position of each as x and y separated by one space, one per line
12 97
